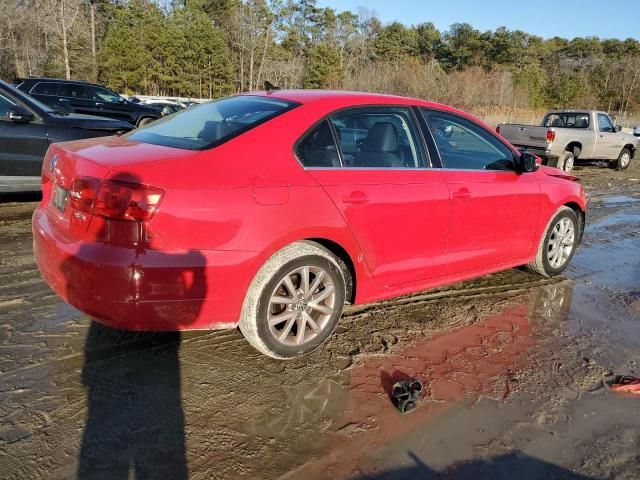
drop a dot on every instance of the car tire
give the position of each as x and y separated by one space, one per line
145 121
566 161
290 329
558 243
624 159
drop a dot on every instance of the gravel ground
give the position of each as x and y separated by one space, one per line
513 367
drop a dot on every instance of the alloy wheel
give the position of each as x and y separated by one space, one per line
301 305
625 158
561 243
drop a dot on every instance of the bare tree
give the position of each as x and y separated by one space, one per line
61 16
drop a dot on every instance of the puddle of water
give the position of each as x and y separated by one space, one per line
457 369
619 199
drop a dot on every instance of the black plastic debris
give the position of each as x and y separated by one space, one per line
405 394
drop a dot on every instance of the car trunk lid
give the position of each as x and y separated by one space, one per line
94 159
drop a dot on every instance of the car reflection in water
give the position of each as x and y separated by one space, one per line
457 368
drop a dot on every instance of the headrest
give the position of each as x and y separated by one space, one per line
382 137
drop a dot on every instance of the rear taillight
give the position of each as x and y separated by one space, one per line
115 200
551 136
83 193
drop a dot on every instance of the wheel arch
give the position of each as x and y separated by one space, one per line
631 148
581 214
340 252
575 148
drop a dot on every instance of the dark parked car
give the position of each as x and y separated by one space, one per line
87 98
27 128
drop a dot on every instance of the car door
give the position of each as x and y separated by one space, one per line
372 163
494 209
74 98
22 145
110 104
608 142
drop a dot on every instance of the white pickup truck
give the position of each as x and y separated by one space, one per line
569 135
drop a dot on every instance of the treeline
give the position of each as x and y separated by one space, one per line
208 48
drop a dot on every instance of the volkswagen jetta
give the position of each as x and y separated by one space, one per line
270 211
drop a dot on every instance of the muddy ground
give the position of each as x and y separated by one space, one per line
513 367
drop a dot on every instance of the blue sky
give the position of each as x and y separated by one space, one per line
565 18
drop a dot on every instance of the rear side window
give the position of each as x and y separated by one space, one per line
464 145
567 120
212 123
378 137
71 90
45 88
318 148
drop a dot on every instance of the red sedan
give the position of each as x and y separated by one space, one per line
270 211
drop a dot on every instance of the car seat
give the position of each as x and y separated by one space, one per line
380 148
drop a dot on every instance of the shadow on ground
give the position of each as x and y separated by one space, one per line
504 467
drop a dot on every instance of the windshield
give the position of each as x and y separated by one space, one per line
567 120
210 124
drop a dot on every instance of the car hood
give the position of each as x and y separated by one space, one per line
631 138
142 107
117 151
88 122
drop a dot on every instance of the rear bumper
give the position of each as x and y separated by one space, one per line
144 290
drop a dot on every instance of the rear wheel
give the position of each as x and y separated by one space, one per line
558 244
566 161
295 301
623 159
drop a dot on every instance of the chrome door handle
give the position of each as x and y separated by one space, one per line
98 104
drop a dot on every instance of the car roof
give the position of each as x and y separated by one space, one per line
346 97
49 79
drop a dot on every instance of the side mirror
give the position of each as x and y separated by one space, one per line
18 114
618 128
528 162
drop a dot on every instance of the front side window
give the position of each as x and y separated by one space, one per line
5 105
210 124
567 120
604 123
45 88
464 145
378 137
102 95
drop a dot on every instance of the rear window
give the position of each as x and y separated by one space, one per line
212 123
567 120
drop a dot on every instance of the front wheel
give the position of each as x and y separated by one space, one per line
558 244
145 121
295 301
623 159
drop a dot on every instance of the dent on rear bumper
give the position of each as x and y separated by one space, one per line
144 290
